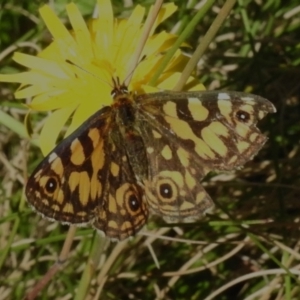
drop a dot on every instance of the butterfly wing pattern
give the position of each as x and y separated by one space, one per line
147 153
189 134
87 179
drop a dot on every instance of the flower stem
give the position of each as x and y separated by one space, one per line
209 36
183 36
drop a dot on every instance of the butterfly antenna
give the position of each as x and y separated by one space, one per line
129 76
90 73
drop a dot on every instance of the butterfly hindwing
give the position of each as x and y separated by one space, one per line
122 210
173 187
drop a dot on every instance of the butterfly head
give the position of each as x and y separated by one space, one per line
119 89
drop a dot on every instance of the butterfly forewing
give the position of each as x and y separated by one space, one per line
87 179
218 129
62 186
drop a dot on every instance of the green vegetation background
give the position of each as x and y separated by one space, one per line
247 248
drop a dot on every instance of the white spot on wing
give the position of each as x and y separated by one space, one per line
223 96
248 99
150 150
52 156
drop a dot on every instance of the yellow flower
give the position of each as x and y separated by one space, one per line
73 76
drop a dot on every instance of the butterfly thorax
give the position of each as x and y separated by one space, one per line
130 137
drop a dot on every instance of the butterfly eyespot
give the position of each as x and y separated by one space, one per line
243 116
133 202
165 191
51 185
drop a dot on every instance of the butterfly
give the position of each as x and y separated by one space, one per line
146 154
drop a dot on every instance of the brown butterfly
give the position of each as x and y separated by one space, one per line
146 153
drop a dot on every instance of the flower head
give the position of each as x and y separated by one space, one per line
73 75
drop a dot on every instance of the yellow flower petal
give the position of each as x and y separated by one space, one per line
35 90
52 128
46 101
127 35
159 43
82 113
168 81
165 12
42 65
102 30
55 26
74 73
81 32
24 78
